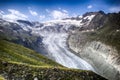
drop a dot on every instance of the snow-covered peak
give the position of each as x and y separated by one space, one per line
63 22
71 21
80 16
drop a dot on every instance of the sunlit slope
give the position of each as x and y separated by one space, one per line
1 78
18 62
14 53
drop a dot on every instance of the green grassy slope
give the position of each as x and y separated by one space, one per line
18 62
13 53
1 78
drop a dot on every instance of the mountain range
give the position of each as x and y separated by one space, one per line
90 42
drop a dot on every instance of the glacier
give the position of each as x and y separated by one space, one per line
56 45
55 34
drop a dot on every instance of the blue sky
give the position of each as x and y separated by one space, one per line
42 10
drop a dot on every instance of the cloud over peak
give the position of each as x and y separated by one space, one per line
59 14
33 13
89 6
14 15
42 17
114 9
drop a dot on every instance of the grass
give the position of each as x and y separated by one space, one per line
1 78
17 53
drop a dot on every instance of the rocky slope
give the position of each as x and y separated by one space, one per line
100 47
20 63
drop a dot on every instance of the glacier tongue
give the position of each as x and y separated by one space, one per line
56 45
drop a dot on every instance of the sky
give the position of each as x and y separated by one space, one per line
44 10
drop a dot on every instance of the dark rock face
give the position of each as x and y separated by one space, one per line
25 22
98 21
91 13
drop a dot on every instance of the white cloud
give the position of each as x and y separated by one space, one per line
34 13
14 15
89 6
1 13
17 13
115 9
42 17
59 8
57 14
47 10
65 11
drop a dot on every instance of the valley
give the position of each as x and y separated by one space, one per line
73 43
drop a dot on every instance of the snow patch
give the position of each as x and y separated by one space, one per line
89 18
